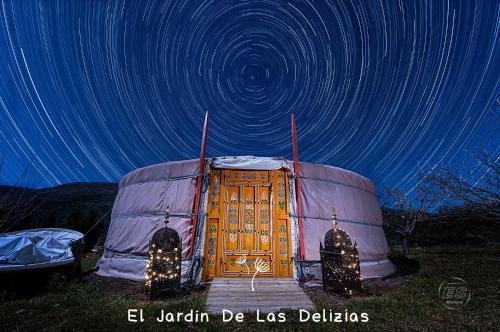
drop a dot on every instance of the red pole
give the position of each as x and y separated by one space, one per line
199 180
297 186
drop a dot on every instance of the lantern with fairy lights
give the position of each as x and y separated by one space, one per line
340 261
163 269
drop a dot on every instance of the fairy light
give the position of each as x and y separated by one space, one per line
163 270
340 261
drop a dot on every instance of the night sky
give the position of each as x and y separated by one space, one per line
91 90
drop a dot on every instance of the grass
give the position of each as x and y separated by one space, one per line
88 263
413 306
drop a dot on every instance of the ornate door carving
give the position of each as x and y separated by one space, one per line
247 219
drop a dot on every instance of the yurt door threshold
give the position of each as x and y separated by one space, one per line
247 225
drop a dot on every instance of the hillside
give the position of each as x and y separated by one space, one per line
55 205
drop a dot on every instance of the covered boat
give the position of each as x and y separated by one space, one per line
30 257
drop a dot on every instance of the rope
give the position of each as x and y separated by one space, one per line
339 220
174 178
98 222
312 262
159 214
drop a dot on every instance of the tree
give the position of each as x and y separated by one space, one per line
477 191
18 203
74 219
50 219
91 233
407 209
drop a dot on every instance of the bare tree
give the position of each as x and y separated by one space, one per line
407 209
17 203
475 190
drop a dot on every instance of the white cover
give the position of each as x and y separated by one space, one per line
34 246
140 205
353 197
250 162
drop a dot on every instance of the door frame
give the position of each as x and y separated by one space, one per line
217 215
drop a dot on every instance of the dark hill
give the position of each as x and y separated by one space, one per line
58 206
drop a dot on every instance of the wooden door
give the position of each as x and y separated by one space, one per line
247 221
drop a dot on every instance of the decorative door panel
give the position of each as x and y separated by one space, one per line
247 221
215 209
282 231
215 191
282 248
248 229
232 224
247 176
264 226
211 254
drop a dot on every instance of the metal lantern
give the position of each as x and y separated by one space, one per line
163 269
339 261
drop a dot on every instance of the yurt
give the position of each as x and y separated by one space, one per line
230 211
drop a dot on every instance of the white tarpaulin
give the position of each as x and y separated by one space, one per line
37 246
250 162
139 210
327 189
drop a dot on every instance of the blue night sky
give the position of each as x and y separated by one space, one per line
94 89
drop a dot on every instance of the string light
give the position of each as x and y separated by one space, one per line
340 261
163 270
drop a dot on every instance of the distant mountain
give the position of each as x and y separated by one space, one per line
58 203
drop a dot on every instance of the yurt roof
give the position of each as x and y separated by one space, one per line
246 162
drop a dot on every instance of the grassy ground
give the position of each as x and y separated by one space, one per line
414 305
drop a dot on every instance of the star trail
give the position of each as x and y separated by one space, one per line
90 90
